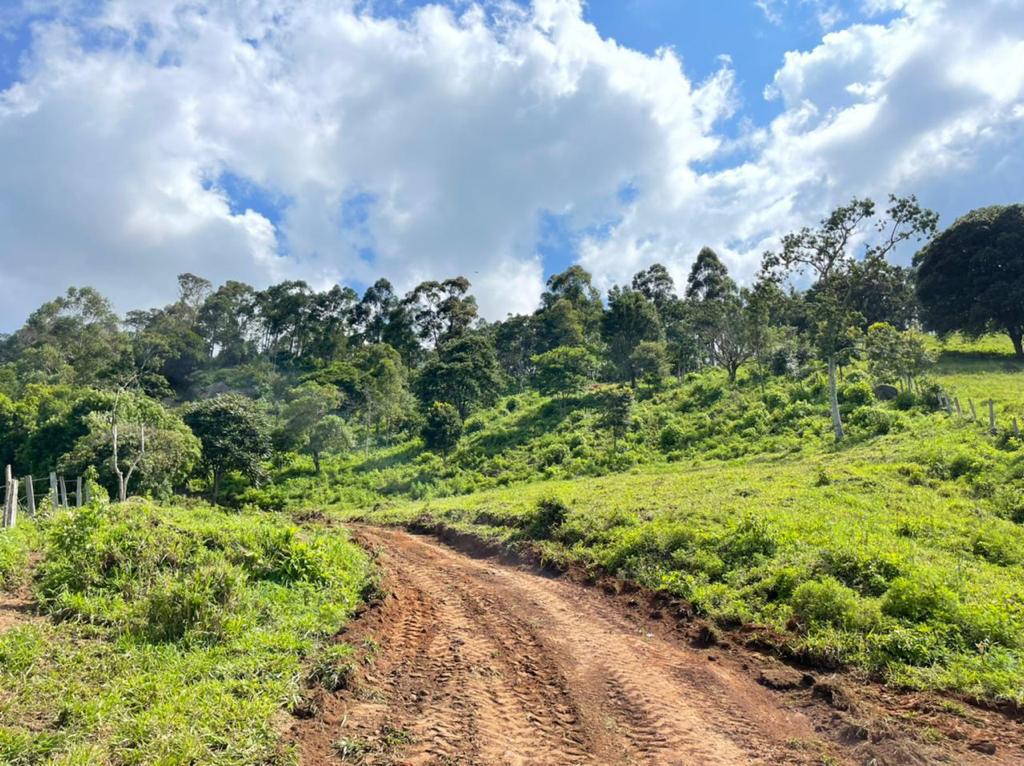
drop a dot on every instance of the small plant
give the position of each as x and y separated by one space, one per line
549 515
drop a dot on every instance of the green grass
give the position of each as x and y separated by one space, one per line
175 636
982 370
900 552
881 557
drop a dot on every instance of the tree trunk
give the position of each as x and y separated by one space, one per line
833 396
316 462
1017 336
216 486
122 487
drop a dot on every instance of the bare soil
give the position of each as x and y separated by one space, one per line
471 660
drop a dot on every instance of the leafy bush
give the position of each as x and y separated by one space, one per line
547 518
919 598
856 394
873 421
184 634
867 572
827 602
673 437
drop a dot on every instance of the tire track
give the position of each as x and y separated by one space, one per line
481 663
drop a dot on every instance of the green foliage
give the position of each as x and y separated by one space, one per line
829 603
179 636
171 450
442 427
234 435
464 373
970 277
564 370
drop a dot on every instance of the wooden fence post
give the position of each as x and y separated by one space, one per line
12 505
63 492
78 493
992 416
88 493
959 412
8 481
54 497
974 412
30 497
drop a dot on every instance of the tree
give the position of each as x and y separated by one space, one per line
464 372
515 342
75 338
827 253
971 277
650 360
441 311
442 428
329 435
383 389
616 407
564 370
225 322
137 440
657 285
580 313
308 405
234 435
708 279
630 320
894 355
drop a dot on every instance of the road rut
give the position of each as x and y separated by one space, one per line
481 663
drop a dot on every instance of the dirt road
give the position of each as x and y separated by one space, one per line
482 663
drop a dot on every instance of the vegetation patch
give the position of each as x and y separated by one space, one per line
177 636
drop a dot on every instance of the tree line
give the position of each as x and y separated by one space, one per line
219 379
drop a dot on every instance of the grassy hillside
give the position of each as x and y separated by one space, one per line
981 370
169 636
900 552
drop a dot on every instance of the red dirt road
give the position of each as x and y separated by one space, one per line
477 662
487 664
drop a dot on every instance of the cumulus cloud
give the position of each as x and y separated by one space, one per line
435 144
930 102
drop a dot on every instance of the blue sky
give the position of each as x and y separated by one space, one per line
144 139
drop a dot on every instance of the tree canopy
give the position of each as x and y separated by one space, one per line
971 276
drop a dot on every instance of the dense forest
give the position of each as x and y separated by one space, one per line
215 383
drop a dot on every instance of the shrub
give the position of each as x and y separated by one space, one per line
673 437
867 572
750 538
827 602
905 400
856 394
548 516
919 599
556 454
872 421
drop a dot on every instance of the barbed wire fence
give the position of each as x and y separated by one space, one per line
29 489
952 406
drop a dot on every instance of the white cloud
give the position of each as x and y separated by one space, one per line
928 103
458 132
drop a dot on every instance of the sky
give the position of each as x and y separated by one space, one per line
337 141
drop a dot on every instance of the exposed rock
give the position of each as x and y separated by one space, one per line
886 393
986 746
